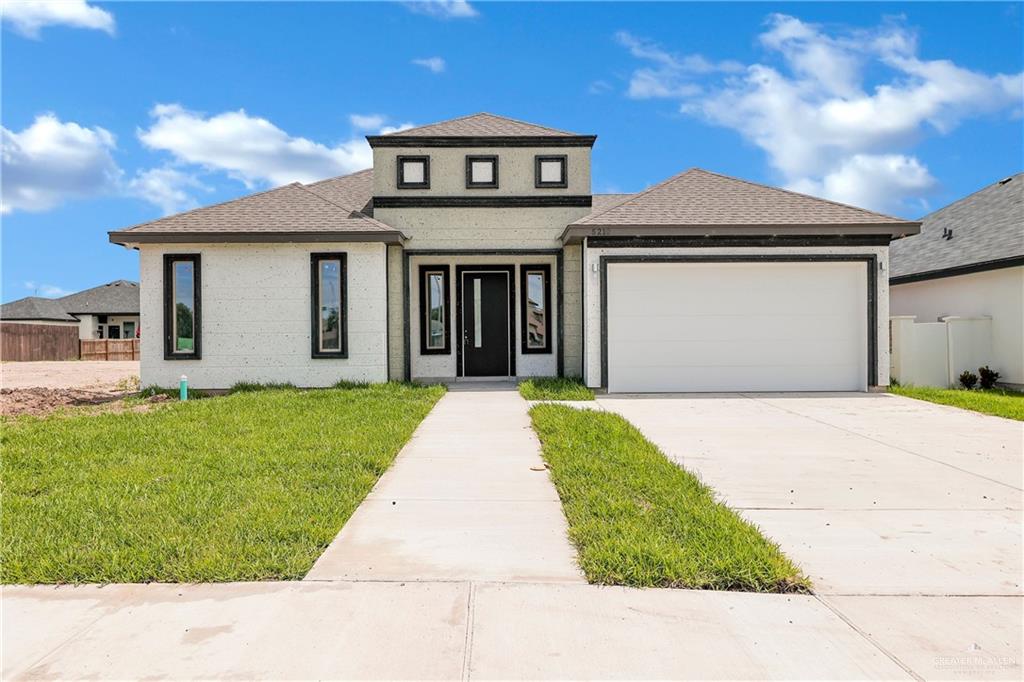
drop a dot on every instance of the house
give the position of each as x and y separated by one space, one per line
108 311
968 261
475 248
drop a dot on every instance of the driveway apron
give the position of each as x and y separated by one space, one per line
468 498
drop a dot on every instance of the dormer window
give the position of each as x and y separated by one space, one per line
481 172
550 171
413 172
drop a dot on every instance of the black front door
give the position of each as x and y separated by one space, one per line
485 324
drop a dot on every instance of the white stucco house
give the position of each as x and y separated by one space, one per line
475 248
968 262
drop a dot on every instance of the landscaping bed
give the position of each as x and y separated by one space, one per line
999 402
638 519
250 486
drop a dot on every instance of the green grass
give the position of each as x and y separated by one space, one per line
555 388
997 401
638 519
250 486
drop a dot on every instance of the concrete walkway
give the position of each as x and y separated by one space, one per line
468 498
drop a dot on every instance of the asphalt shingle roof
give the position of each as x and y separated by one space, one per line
602 202
482 125
120 296
354 190
701 198
35 308
292 208
986 226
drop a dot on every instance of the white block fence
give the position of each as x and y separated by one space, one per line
935 353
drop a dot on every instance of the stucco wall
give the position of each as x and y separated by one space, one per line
479 228
998 294
592 294
396 353
572 292
256 316
444 366
448 171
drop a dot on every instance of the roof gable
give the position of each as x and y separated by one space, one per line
986 226
698 197
481 125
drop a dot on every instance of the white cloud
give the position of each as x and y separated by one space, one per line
249 148
27 17
599 87
396 128
46 290
672 75
433 64
51 161
810 107
167 188
367 121
443 9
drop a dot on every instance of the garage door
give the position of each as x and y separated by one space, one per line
764 326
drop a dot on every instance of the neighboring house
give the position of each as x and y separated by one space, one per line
968 261
109 311
474 248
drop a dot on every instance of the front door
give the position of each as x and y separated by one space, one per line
485 324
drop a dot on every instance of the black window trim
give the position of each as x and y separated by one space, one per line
541 158
445 271
402 184
470 159
314 309
197 317
524 272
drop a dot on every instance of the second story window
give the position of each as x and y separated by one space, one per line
481 172
413 172
550 171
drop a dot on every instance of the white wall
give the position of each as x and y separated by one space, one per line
256 316
998 294
592 293
444 366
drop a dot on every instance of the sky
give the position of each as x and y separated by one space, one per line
119 113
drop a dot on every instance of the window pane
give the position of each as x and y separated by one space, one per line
412 172
435 310
482 172
551 171
184 306
536 315
330 305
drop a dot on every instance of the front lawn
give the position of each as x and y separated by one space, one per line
252 486
998 401
555 388
638 519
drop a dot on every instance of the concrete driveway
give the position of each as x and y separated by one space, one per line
905 514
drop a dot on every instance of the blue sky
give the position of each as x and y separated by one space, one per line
118 113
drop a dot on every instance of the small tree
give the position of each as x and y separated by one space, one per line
968 379
988 377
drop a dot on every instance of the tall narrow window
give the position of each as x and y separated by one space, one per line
329 315
550 171
434 318
182 302
535 310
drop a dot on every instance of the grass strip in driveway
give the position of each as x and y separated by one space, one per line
252 486
998 402
638 519
555 388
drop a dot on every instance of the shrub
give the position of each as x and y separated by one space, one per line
988 377
968 379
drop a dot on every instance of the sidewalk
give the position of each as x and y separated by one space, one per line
467 498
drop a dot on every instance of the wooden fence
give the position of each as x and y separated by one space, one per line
34 342
110 349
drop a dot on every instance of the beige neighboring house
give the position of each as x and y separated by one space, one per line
968 261
108 311
475 248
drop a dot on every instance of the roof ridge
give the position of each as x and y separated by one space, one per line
351 211
399 133
202 208
526 123
631 197
968 196
799 194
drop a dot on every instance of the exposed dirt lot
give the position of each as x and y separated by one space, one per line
41 387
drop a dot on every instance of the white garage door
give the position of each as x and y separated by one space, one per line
765 326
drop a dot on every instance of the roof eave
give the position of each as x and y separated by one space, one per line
575 233
130 238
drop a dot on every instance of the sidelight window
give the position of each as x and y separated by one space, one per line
535 287
434 297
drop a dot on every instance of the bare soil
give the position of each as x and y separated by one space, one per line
40 388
